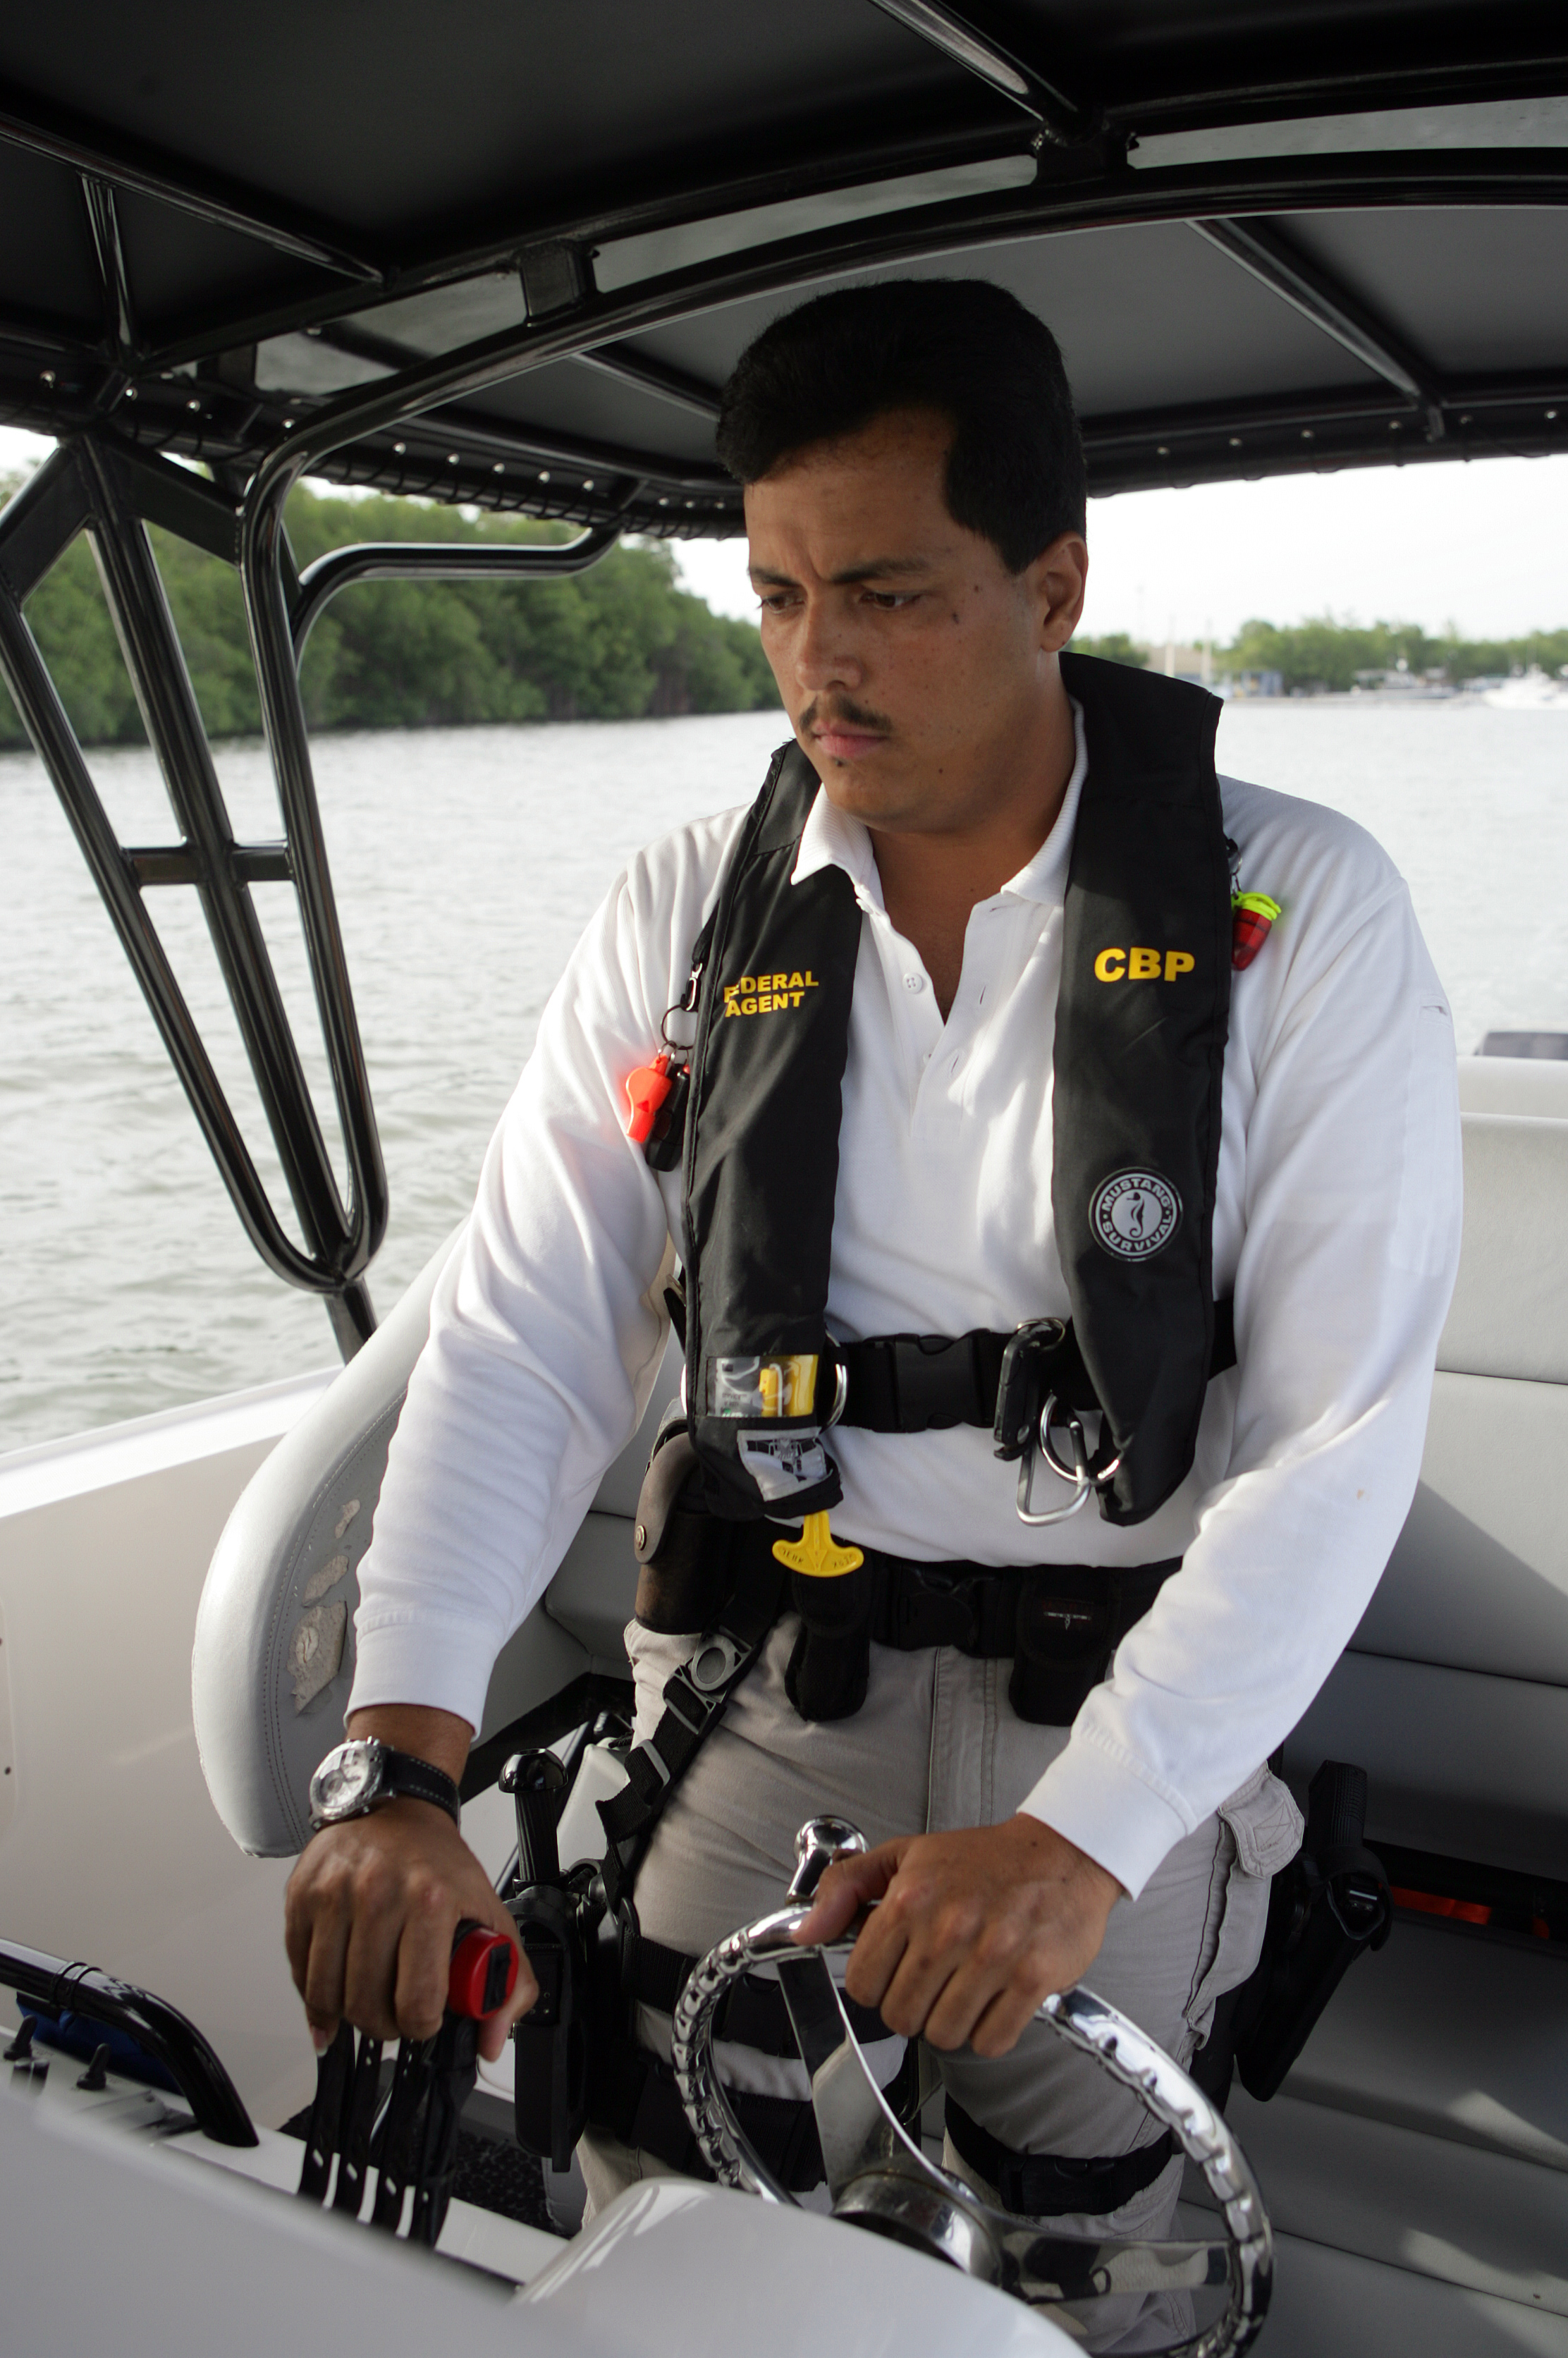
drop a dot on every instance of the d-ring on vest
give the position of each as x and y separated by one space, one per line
1138 1057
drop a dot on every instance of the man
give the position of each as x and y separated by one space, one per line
957 1108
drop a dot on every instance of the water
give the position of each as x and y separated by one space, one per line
466 861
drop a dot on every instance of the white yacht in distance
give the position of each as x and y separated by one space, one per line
504 258
1531 691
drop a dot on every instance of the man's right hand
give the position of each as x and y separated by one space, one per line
373 1910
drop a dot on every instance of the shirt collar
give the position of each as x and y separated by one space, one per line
832 838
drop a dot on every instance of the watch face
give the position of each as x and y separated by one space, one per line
346 1780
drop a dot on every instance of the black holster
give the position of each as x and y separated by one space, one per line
1329 1904
551 2044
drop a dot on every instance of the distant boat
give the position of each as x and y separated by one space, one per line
1533 691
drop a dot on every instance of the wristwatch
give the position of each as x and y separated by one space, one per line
366 1774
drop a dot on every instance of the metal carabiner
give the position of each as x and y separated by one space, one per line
1080 1469
1080 1474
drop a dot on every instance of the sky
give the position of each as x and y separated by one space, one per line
1481 545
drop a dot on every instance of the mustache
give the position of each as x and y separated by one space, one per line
840 711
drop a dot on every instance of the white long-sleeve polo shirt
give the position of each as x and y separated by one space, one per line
1336 1228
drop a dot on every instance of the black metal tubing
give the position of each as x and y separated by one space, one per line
397 560
119 315
46 131
1367 88
161 2029
673 386
338 1247
1271 258
1001 69
86 484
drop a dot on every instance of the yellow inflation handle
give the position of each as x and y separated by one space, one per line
816 1553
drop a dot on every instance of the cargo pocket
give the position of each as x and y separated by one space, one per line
1260 1829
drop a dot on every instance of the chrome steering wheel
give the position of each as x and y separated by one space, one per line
878 2176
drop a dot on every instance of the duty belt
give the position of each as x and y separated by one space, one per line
1070 1610
1059 1624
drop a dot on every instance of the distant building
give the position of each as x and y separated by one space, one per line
1196 663
1253 682
1399 680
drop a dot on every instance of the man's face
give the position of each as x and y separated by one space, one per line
912 665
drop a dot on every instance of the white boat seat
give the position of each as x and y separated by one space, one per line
274 1654
1453 1691
1424 2126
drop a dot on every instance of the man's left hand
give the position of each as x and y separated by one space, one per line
973 1928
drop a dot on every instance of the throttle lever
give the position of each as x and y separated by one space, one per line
416 2137
536 1782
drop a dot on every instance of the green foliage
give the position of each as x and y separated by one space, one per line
616 641
1115 647
1327 655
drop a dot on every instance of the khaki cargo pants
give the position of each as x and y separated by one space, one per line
936 1746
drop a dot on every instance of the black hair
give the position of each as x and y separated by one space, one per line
961 346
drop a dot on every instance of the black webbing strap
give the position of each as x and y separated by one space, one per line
636 2100
751 2012
694 1701
1047 2185
925 1383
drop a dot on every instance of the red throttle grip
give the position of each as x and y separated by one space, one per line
483 1973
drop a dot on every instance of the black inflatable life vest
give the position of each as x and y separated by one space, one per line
1137 1054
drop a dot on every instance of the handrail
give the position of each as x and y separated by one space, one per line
151 2021
94 484
398 560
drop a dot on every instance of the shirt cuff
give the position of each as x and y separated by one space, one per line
426 1663
1098 1800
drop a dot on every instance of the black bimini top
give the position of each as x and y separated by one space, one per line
505 251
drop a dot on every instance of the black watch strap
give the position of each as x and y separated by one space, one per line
405 1777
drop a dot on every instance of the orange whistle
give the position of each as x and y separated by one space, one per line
646 1090
1251 915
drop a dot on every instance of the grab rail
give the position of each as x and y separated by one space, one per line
151 2022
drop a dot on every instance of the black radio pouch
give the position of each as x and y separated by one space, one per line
1066 1632
684 1553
